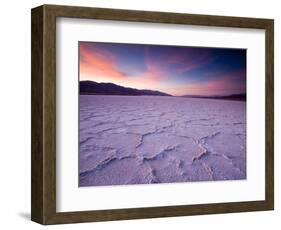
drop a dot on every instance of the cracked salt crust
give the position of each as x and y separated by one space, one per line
154 139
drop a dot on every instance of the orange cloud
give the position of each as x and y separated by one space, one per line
95 62
100 65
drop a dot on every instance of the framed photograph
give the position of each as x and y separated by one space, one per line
141 114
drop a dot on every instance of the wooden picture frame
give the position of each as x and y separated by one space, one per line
43 202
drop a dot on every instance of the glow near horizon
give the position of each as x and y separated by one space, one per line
176 70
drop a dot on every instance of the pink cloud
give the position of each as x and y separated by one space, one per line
95 62
154 70
100 65
187 59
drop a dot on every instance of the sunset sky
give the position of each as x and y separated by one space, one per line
176 70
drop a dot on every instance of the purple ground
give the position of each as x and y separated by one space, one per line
154 139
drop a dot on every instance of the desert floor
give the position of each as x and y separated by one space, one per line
157 139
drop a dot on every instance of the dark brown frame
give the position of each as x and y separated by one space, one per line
43 188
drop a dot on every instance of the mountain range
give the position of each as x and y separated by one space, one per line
236 97
95 88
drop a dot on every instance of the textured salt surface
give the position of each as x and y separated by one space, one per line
154 139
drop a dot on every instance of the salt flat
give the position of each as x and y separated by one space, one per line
159 139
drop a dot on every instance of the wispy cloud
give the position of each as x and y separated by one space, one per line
191 59
96 62
171 69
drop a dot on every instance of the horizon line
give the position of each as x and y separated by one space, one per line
184 95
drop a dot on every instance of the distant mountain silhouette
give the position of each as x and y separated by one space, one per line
237 97
95 88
